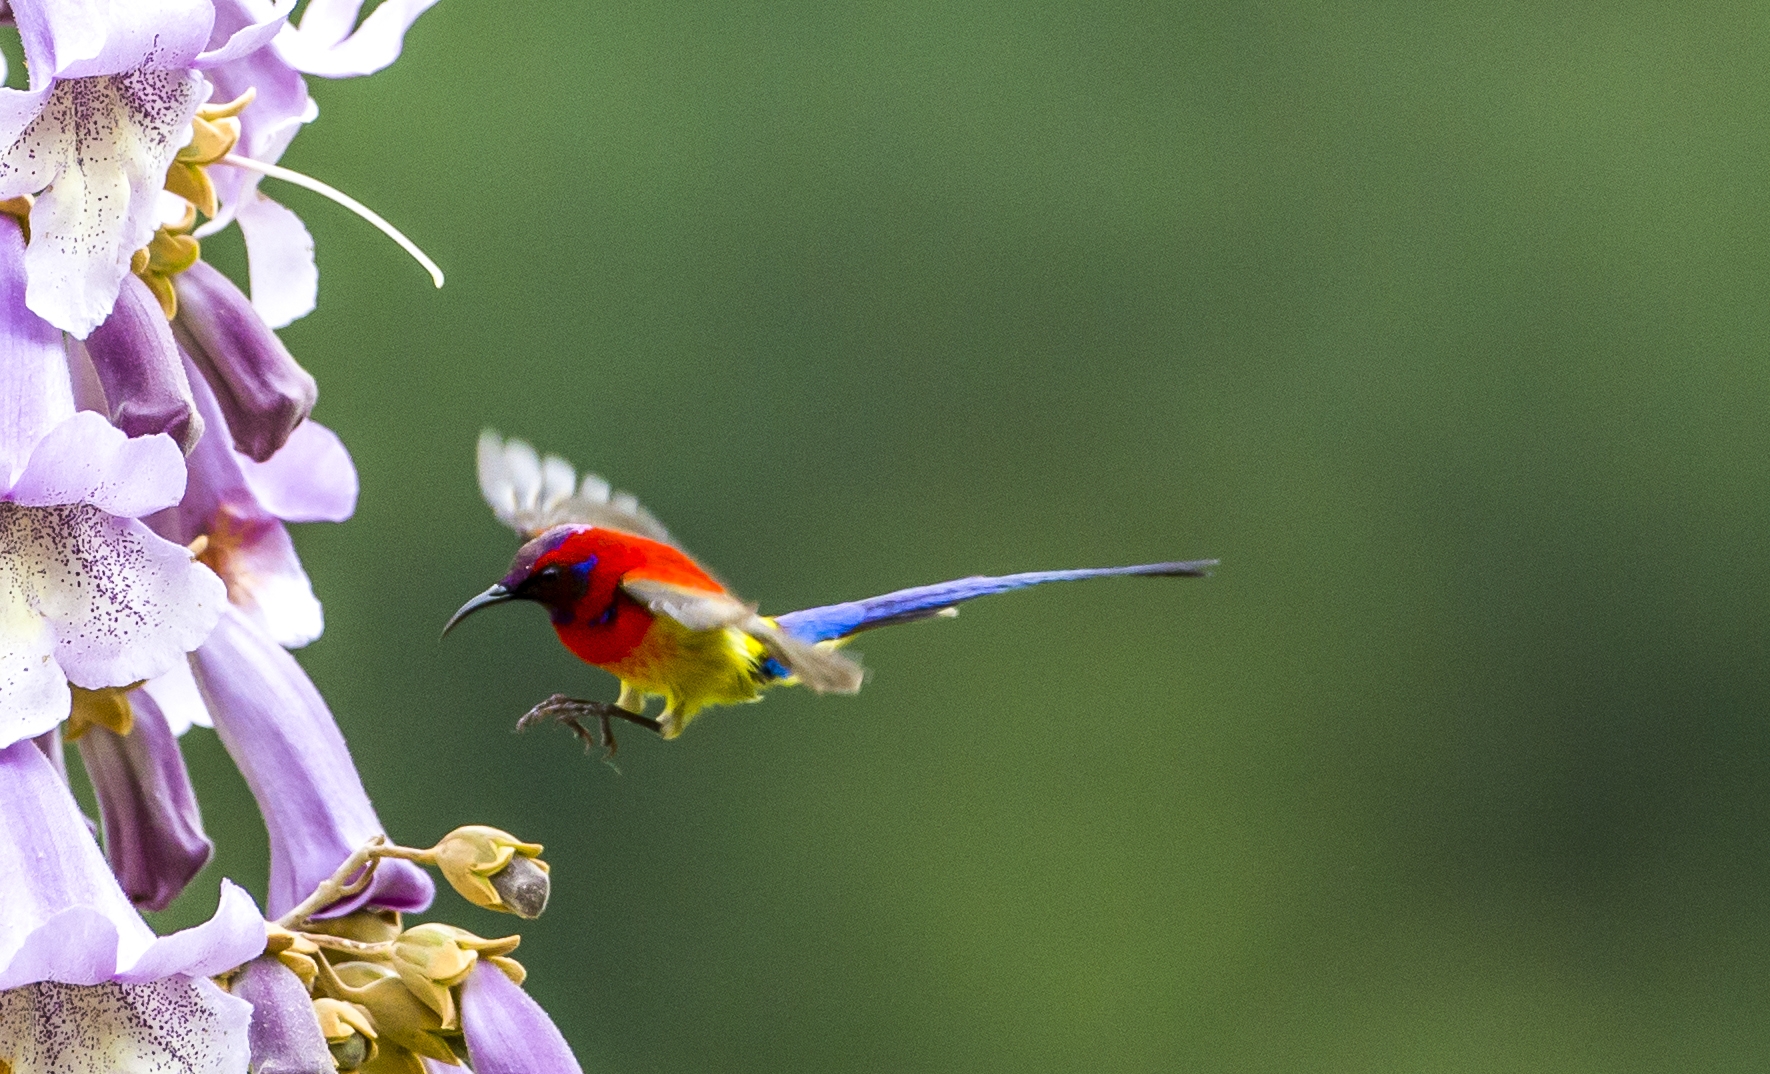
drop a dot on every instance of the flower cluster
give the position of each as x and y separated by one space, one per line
155 440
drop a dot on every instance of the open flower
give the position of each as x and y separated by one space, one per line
234 509
112 91
88 594
84 983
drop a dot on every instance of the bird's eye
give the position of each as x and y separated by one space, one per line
548 574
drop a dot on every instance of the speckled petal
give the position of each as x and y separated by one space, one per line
122 603
177 1025
33 692
101 146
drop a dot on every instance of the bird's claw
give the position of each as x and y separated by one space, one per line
570 711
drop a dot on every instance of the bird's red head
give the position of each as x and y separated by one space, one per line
575 572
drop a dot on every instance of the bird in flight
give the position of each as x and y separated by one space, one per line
624 596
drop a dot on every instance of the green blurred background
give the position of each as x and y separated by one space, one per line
1445 328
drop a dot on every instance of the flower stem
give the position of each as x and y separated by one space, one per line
340 885
277 171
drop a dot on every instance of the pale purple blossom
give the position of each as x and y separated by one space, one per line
113 87
84 983
281 735
88 594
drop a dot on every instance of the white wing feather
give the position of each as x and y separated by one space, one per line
532 495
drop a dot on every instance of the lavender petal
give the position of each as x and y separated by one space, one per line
153 832
239 33
62 915
82 40
279 261
325 45
311 480
508 1032
279 732
87 460
285 1036
36 393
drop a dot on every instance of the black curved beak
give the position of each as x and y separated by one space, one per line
495 595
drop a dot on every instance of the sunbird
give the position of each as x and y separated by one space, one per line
625 597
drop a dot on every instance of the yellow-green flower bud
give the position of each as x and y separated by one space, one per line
494 869
398 1016
364 926
349 1033
430 962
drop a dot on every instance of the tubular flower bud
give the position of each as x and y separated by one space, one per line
153 831
264 393
140 370
494 869
349 1032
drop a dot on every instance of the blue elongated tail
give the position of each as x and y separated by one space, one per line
834 621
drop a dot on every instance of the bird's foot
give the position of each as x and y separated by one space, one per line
572 711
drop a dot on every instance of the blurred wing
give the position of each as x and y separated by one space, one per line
821 668
531 494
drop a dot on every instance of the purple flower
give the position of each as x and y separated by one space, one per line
88 594
84 983
282 736
507 1032
112 91
139 369
153 833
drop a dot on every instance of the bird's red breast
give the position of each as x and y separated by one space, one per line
604 625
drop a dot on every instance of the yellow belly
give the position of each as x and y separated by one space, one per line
689 669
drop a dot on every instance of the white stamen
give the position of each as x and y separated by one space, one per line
276 171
